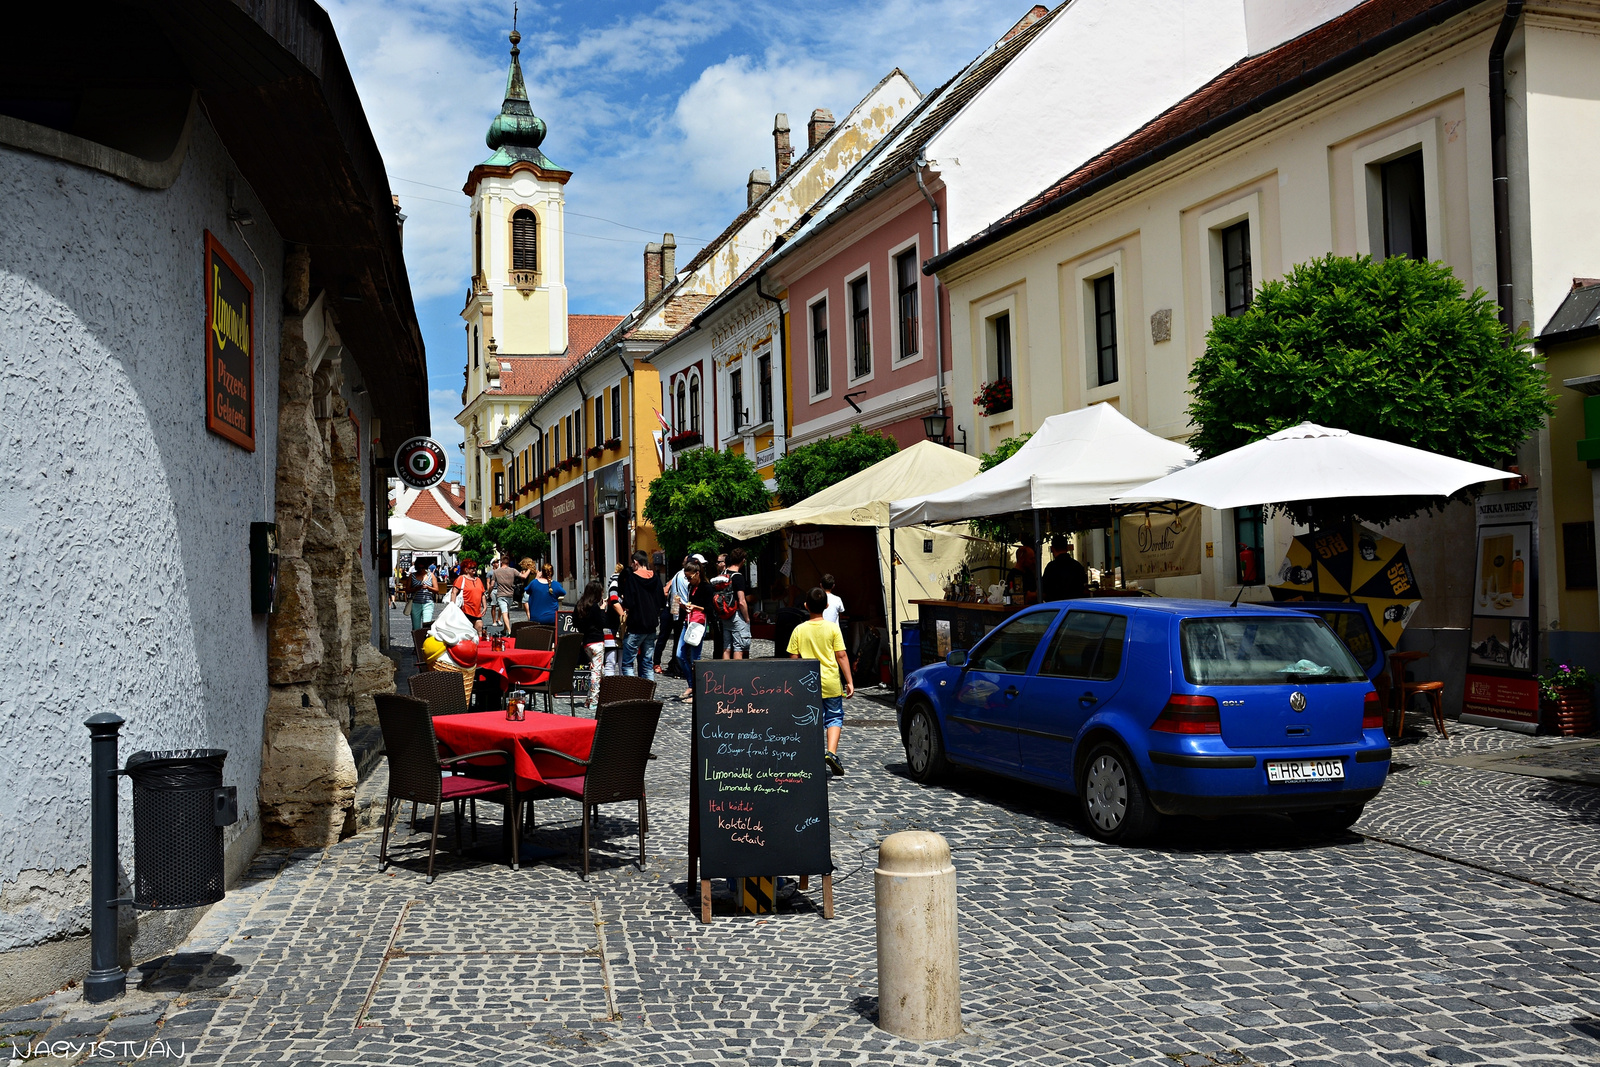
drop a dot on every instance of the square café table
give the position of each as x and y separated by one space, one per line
482 730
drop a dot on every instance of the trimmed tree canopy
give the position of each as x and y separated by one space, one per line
686 501
518 538
1393 350
811 468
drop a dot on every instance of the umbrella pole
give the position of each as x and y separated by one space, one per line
1038 560
894 619
1311 534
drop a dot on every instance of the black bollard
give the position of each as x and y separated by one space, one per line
106 977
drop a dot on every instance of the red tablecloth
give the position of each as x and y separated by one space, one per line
482 730
535 663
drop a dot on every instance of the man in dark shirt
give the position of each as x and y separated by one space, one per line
1064 578
641 600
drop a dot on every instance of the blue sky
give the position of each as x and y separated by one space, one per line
659 110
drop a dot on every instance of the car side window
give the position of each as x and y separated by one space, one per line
1009 649
1088 645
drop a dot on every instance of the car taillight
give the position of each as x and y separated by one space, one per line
1372 712
1186 714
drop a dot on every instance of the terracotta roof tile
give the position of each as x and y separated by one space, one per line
426 509
586 331
532 375
1250 85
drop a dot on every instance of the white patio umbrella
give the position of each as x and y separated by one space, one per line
1311 462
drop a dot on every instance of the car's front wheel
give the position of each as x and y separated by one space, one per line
1115 803
924 746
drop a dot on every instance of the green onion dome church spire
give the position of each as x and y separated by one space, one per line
516 133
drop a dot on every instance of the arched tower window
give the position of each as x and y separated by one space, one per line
524 240
683 403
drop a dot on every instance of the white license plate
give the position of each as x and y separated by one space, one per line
1305 770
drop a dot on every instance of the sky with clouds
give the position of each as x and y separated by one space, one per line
660 111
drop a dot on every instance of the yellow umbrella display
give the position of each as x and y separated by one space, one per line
1352 564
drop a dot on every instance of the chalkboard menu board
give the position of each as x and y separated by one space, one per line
759 784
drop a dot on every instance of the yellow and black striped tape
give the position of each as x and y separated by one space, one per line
756 895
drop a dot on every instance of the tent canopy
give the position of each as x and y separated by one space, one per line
1080 458
1311 462
863 498
413 536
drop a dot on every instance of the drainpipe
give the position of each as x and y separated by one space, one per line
635 515
938 316
780 417
583 435
1502 168
543 465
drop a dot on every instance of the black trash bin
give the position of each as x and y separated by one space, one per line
179 809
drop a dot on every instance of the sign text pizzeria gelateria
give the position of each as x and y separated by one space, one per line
230 348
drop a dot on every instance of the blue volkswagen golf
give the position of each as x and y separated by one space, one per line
1153 707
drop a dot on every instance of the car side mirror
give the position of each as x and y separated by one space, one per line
957 657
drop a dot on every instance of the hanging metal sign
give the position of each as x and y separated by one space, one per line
230 347
421 463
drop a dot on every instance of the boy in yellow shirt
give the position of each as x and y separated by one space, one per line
818 639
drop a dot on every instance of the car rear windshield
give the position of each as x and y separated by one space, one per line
1265 650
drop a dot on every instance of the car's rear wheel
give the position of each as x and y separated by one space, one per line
1115 803
924 746
1330 820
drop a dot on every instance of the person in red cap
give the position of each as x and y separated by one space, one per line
468 590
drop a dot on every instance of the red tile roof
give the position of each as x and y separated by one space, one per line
1249 86
586 331
426 509
532 375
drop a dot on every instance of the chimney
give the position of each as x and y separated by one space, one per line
669 258
399 218
820 126
760 181
783 153
1038 12
652 271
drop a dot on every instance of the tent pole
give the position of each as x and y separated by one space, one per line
894 620
1038 560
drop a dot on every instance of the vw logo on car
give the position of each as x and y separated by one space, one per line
1297 700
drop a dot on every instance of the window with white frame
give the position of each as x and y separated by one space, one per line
860 328
616 411
682 405
1236 269
736 397
764 387
694 401
524 240
1398 194
908 295
999 360
1405 211
819 347
1105 328
600 419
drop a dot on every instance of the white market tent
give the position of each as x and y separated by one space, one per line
1311 462
863 500
414 536
1080 458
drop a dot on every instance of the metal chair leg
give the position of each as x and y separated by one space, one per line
383 844
586 842
641 833
433 842
512 806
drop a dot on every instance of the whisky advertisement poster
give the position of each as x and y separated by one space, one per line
1503 654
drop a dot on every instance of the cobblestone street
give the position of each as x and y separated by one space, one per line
1461 924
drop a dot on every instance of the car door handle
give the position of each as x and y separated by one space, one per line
1087 700
1012 690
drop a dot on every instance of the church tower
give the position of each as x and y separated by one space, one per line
516 307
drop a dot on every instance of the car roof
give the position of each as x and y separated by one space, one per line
1181 607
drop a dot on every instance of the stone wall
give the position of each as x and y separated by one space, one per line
322 667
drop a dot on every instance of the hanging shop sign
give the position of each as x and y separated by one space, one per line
1162 544
421 463
1502 687
806 540
230 348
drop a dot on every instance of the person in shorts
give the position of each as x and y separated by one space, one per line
736 630
505 592
819 639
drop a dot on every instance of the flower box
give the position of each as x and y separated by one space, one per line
994 396
615 442
1570 712
683 440
594 450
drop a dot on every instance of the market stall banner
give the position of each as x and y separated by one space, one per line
1353 564
230 347
1161 544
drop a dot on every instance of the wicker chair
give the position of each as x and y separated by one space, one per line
615 687
442 691
558 679
615 768
533 635
417 774
417 637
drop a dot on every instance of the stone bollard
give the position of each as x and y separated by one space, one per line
919 978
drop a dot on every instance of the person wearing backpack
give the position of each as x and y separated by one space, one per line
733 608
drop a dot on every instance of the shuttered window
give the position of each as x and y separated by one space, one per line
524 240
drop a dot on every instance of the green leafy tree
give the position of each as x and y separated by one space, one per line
811 468
518 538
686 501
1394 350
992 529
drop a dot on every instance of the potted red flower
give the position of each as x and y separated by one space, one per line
1566 699
994 396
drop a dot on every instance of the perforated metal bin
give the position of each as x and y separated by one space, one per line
179 809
